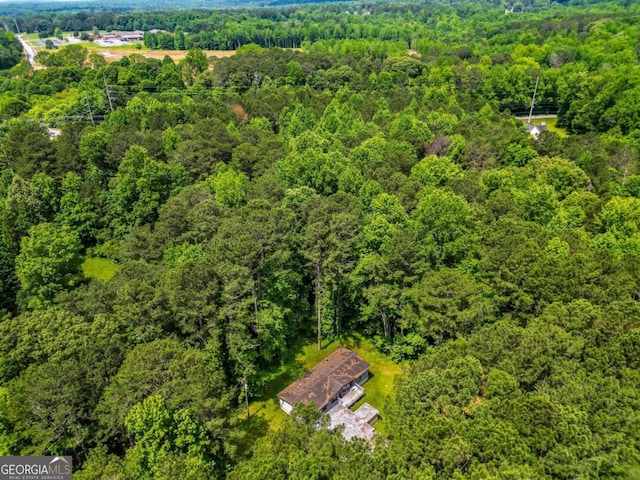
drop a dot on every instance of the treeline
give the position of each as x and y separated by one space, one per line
565 55
52 8
289 27
10 50
352 187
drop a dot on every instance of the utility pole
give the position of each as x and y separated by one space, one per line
89 108
106 87
17 27
533 99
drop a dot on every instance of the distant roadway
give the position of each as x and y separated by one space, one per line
29 51
534 117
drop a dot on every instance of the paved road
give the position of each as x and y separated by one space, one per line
534 117
29 51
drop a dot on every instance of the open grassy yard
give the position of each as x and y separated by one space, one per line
305 356
551 125
99 268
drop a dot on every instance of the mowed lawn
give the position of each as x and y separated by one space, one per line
305 356
99 268
551 125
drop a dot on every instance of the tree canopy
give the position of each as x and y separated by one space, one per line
369 179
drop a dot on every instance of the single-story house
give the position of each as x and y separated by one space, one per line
326 383
109 37
536 130
134 36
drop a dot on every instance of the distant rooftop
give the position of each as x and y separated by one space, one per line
541 128
54 132
326 379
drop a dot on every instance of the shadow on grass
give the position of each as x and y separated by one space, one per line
264 406
298 359
251 430
282 380
349 341
290 369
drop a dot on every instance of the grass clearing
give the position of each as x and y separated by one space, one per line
113 53
551 125
124 48
304 356
99 268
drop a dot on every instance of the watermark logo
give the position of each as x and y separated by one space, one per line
35 468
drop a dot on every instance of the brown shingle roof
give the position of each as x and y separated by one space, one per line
324 381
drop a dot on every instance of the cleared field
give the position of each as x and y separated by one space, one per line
551 125
549 120
304 357
99 268
116 53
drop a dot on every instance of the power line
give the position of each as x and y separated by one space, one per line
533 100
108 94
127 92
89 108
53 120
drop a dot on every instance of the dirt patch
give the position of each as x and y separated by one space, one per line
113 55
240 112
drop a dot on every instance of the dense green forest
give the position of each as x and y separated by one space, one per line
21 8
10 50
372 182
